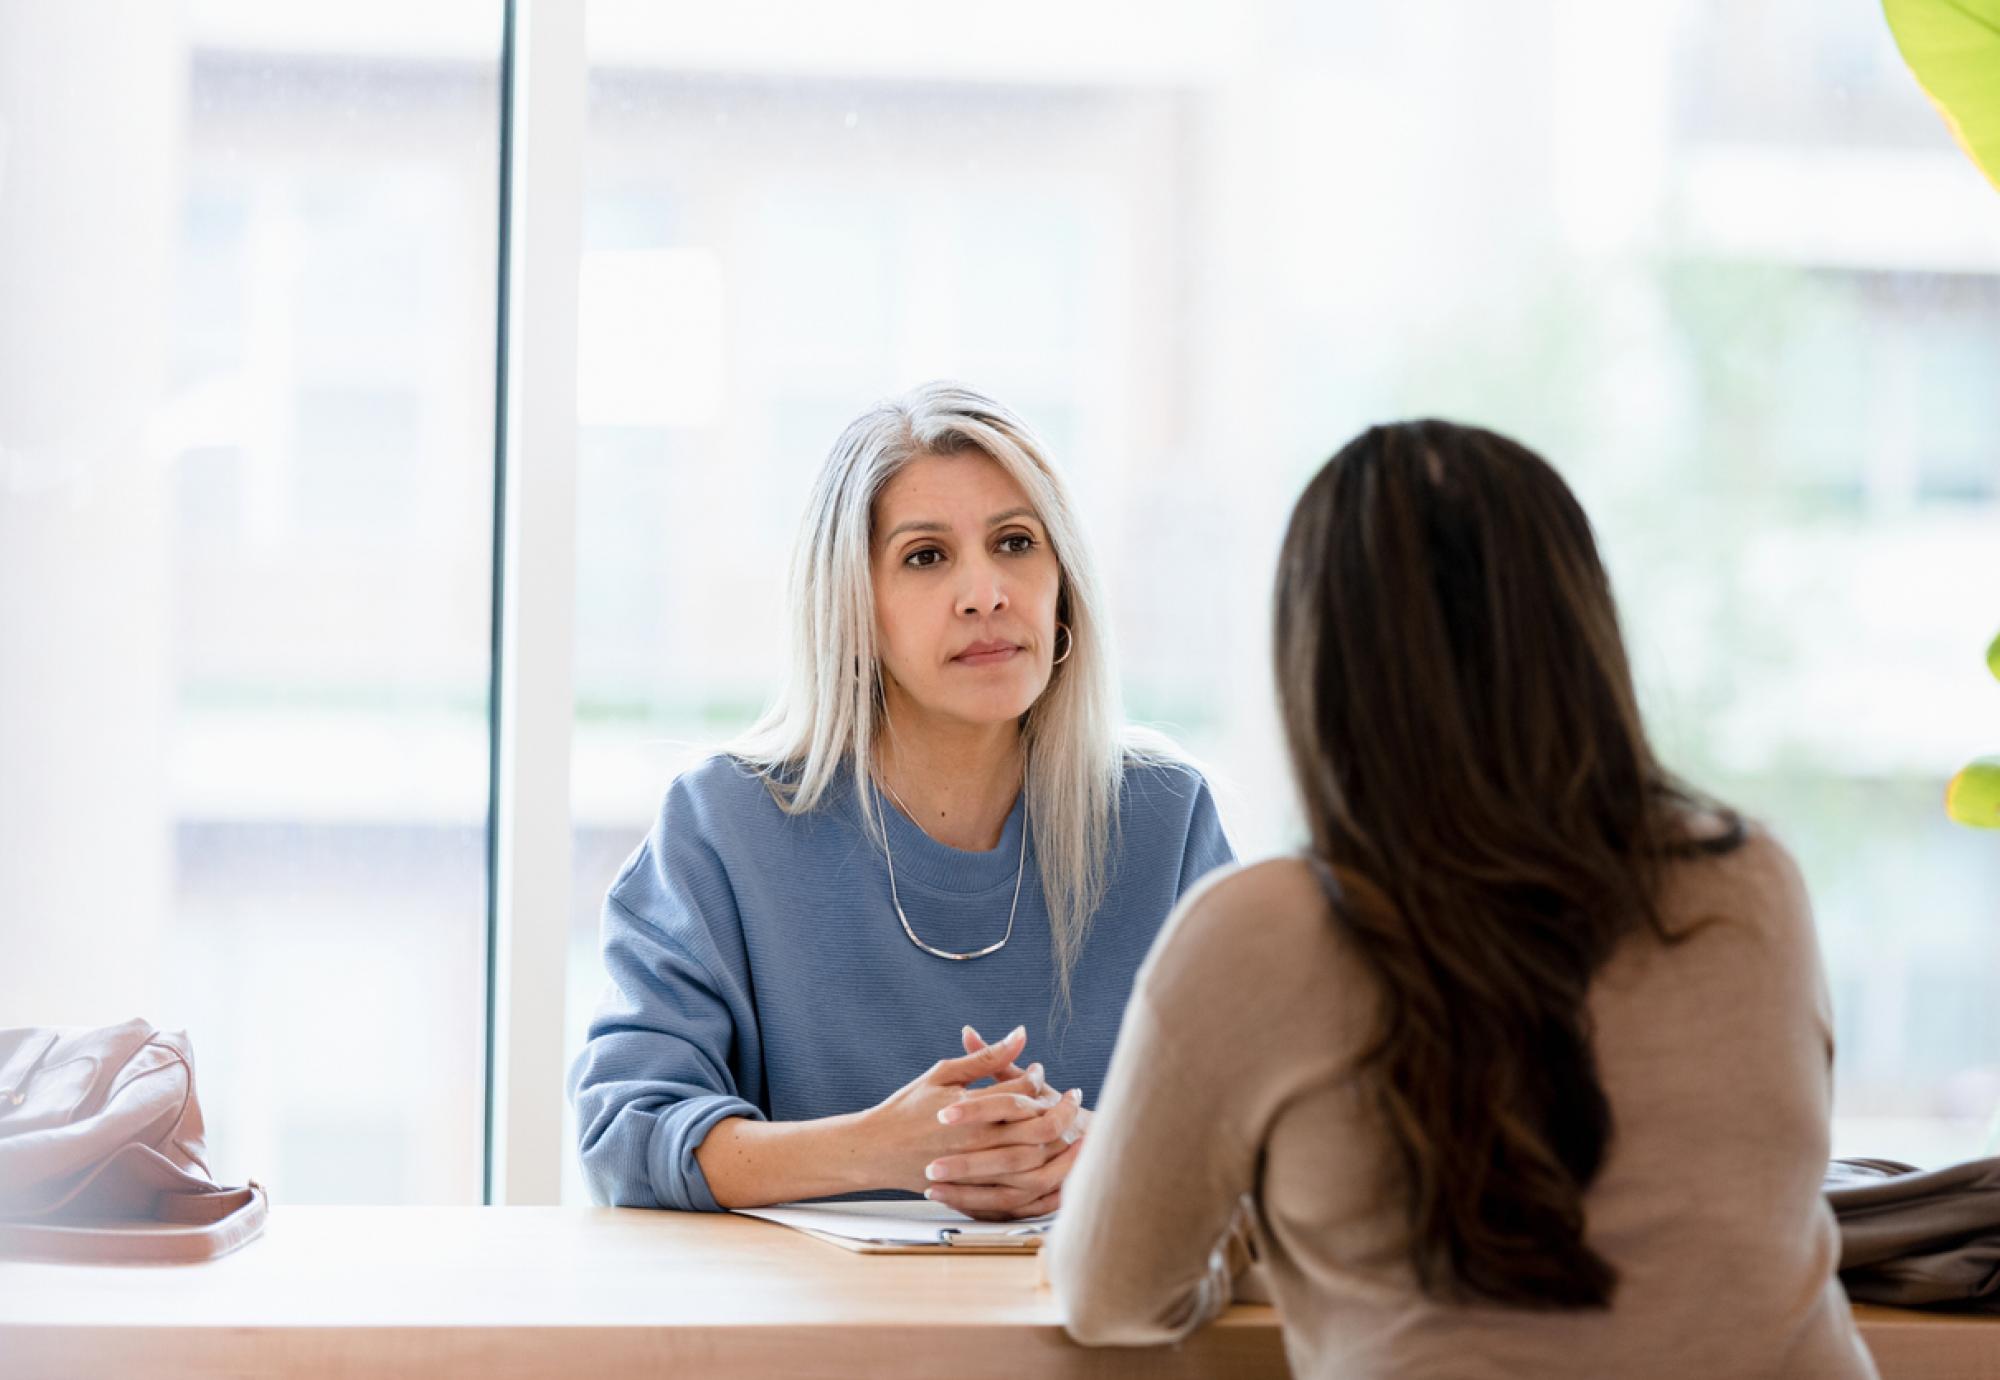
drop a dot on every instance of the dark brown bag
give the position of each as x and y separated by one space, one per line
101 1155
1918 1237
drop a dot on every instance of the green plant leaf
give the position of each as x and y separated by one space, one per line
1993 657
1953 47
1973 797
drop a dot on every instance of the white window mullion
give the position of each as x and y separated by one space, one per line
536 653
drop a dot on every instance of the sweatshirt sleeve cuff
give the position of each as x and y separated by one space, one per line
677 1134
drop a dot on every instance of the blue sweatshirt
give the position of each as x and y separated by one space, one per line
758 969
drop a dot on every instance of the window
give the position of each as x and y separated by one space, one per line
246 401
1745 294
1200 259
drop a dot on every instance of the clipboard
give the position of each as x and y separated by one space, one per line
905 1226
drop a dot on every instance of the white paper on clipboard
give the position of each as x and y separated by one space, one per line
904 1224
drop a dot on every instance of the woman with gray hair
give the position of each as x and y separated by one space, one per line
942 827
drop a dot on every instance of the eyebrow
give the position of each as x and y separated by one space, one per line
928 525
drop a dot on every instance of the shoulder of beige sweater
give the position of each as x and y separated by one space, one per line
1247 934
1758 882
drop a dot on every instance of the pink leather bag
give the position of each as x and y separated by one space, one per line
101 1156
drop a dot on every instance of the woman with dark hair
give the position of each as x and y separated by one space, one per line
1525 1068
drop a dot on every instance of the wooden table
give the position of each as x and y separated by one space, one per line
575 1292
1909 1345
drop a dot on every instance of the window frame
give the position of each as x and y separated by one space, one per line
542 106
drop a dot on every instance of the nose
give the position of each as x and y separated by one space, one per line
983 591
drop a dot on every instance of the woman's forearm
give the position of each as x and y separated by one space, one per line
756 1163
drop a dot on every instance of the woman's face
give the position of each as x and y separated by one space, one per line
965 590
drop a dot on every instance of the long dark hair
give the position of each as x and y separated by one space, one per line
1465 737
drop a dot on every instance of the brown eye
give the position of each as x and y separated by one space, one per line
922 558
1017 543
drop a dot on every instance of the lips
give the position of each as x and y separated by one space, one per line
987 653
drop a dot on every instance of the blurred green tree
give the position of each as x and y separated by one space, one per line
1953 48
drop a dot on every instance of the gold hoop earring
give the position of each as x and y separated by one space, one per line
1068 646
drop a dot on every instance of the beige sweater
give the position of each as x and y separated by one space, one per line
1231 1089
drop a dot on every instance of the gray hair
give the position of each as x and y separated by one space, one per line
829 711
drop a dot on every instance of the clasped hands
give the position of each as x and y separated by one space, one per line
996 1152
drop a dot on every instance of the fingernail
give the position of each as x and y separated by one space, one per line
1019 1032
948 1115
931 1171
1076 1093
931 1194
968 1030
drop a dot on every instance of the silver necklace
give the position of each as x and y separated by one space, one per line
1020 868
